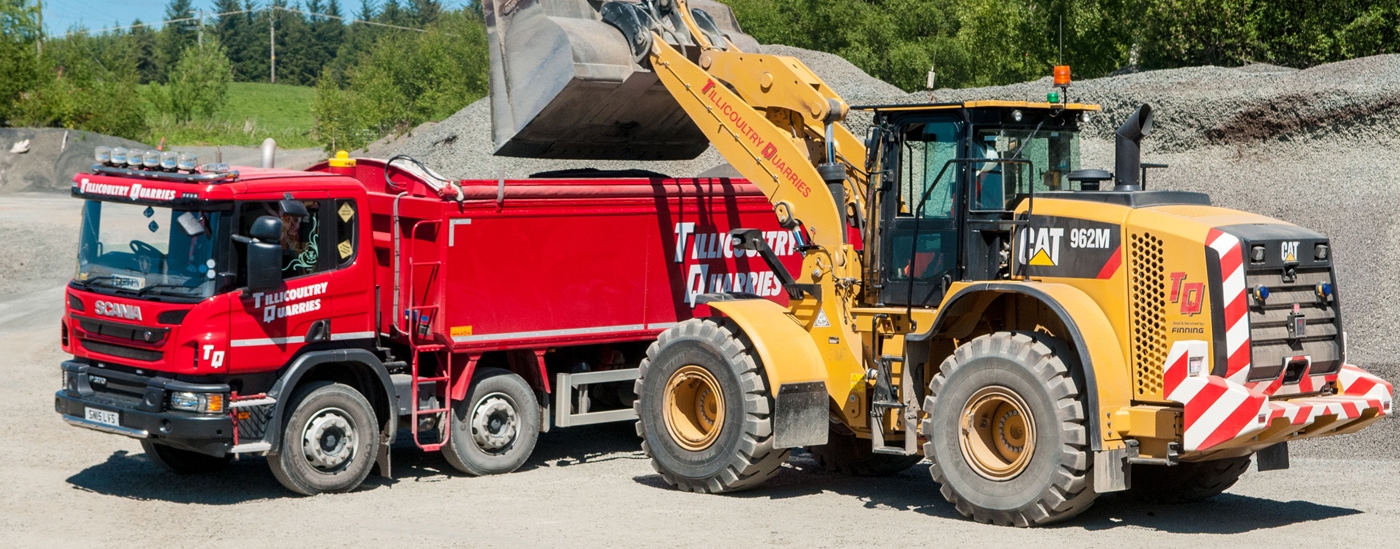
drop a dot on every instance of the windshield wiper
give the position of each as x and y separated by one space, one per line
88 282
143 291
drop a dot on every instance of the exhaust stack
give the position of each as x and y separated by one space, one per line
1127 163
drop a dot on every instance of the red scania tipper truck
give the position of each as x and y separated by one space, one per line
308 315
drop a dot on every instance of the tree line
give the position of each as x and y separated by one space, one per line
995 42
373 77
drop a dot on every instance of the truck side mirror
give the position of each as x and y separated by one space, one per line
293 208
264 259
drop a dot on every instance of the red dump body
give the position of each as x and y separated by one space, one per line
541 263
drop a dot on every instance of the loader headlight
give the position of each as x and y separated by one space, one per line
102 155
1320 252
151 159
1256 253
119 156
134 156
207 403
168 160
1016 115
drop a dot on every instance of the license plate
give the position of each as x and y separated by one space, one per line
103 416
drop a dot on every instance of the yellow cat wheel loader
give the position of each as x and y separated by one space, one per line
1042 333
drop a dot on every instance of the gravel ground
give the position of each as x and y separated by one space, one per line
585 487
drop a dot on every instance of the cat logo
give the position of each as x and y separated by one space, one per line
1044 246
1290 251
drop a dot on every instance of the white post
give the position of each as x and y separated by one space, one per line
272 39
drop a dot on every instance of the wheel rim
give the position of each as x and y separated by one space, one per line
495 423
694 407
997 433
328 441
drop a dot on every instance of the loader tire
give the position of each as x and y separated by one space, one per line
704 410
1186 482
329 442
847 454
183 462
495 428
1006 431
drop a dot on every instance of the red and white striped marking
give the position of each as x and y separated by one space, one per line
1214 409
1217 410
1234 293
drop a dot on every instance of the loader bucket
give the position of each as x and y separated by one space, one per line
566 84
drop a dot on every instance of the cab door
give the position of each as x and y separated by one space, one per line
267 329
921 223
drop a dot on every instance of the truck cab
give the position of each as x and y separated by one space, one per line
201 294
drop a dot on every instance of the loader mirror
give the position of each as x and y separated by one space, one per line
264 258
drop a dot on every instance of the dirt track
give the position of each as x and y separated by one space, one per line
587 487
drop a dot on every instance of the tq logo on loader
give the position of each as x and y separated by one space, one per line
1188 294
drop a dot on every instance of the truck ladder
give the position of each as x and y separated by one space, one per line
424 339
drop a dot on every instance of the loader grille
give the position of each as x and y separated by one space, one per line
1149 301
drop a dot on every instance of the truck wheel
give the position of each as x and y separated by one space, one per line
847 454
704 410
183 462
329 442
495 428
1186 482
1006 431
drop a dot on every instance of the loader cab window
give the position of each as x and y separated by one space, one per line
920 243
302 239
996 186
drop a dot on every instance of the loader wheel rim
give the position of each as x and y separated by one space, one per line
693 407
997 433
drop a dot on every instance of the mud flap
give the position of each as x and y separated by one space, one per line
1111 470
1272 458
800 415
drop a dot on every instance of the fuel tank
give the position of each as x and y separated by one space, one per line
567 84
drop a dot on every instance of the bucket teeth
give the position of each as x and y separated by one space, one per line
565 83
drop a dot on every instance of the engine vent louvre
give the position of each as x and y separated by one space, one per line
1149 287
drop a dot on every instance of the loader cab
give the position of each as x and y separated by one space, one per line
954 175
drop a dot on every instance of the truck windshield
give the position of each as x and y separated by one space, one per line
1052 155
146 250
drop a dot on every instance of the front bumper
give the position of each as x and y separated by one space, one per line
1219 414
143 415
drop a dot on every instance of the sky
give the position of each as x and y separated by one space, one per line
62 15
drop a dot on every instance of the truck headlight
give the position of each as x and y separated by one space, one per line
207 403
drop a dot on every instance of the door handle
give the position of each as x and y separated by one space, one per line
319 331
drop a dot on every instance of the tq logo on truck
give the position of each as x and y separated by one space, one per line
277 305
117 310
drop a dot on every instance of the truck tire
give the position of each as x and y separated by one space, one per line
704 410
1006 431
329 442
1186 482
183 462
847 454
495 428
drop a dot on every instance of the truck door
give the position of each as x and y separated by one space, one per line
268 328
920 240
